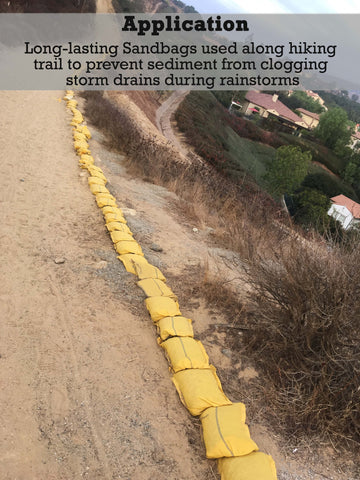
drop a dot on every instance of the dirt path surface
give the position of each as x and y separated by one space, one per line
104 6
85 388
164 119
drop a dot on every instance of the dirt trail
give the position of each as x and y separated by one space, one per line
164 119
104 6
85 389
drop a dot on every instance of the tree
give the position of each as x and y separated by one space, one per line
311 209
288 170
333 128
300 99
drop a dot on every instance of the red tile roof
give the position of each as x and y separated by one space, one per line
309 114
353 207
266 101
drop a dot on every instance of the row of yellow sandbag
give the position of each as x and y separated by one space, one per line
226 435
72 104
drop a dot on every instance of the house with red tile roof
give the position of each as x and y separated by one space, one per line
269 105
311 118
315 97
345 211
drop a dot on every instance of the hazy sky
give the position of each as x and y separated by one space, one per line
275 6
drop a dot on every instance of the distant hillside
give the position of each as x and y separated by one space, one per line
151 6
89 6
47 6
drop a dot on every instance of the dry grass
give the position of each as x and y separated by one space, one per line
239 213
306 334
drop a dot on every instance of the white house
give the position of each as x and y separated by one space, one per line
354 140
345 211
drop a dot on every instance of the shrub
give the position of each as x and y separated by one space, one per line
329 185
306 335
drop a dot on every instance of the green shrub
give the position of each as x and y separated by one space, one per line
329 185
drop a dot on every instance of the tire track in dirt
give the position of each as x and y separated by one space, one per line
60 397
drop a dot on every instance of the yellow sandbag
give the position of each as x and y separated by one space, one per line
96 169
96 173
102 200
160 307
255 466
81 147
96 181
199 389
148 271
225 432
71 103
77 118
107 195
83 129
118 236
83 150
174 327
131 261
115 210
113 217
118 227
87 159
76 113
96 188
128 247
84 165
75 121
153 287
79 137
185 353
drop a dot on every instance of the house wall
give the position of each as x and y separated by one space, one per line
354 142
312 122
262 112
342 215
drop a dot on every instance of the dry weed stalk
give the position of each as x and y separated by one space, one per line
306 335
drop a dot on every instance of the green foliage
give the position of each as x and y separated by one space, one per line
226 96
231 144
351 173
128 6
288 170
320 153
328 184
299 99
351 107
333 128
311 209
